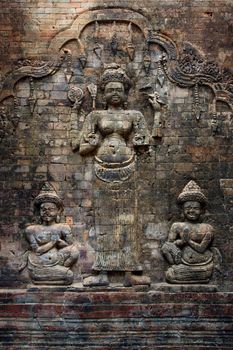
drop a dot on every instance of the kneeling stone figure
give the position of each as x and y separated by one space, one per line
53 250
189 245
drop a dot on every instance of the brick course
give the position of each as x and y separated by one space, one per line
39 150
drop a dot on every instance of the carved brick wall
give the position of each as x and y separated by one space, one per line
50 54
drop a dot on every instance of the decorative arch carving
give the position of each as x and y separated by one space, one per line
105 15
186 68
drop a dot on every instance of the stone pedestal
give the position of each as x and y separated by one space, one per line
114 318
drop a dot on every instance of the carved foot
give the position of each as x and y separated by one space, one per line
186 276
136 280
99 280
55 276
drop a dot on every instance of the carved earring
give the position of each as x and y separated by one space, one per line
58 218
104 103
203 213
125 105
182 214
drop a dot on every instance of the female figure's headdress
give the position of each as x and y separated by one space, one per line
114 73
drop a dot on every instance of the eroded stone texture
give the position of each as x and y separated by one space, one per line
116 320
115 134
47 102
52 247
178 57
189 247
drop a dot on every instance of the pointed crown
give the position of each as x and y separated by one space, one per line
192 192
48 194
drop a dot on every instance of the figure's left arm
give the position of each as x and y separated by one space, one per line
206 240
141 133
67 236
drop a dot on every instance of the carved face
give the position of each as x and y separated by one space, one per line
114 93
49 212
192 210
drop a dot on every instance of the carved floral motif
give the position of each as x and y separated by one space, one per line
191 62
75 95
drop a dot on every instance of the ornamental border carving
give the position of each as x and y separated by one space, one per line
104 15
192 75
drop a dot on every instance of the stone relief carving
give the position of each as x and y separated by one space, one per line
190 69
114 41
97 48
108 131
82 56
130 46
68 70
16 112
32 97
192 63
187 68
92 88
75 95
52 247
36 71
114 135
33 70
25 62
9 119
157 104
4 123
189 248
146 62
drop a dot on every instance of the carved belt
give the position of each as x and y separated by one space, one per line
37 264
198 264
110 172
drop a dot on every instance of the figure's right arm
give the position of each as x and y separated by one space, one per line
171 248
46 247
30 236
90 136
173 233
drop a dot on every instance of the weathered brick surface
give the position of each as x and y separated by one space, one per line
39 150
115 320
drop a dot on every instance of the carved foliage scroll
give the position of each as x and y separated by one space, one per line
126 37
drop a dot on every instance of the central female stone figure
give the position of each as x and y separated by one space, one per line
114 135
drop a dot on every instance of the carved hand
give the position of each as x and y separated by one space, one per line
45 248
61 243
153 99
138 140
75 143
186 235
92 139
179 242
